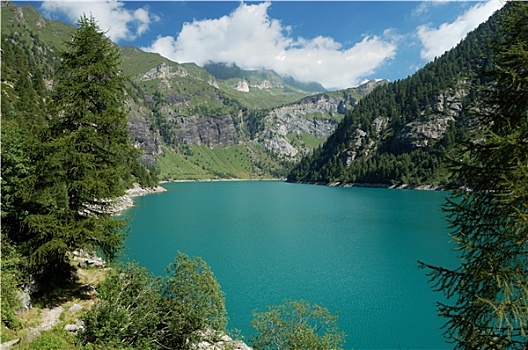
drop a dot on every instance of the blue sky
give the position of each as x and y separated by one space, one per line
336 43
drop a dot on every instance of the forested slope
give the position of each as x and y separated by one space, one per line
402 132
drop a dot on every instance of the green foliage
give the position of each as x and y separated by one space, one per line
145 176
195 295
296 325
137 310
489 290
11 276
278 92
58 172
85 155
52 340
199 162
127 311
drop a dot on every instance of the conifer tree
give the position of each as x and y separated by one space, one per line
489 290
83 162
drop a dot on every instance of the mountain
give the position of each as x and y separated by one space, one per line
402 132
261 79
193 122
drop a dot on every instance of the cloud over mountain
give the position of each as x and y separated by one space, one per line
112 16
251 39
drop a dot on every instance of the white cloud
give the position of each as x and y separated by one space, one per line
251 39
424 7
436 41
111 16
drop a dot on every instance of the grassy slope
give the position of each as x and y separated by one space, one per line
201 162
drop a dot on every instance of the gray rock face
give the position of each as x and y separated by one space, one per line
212 340
86 259
284 124
9 344
418 133
164 73
141 135
213 131
75 308
288 132
74 328
50 318
33 333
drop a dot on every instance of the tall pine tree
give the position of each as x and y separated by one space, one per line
83 162
490 220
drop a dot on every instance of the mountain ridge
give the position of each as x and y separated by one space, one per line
186 121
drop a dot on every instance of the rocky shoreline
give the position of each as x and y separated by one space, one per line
379 185
125 202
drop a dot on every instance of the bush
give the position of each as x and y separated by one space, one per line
296 325
139 310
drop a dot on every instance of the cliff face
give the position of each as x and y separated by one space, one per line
285 126
195 108
212 131
141 133
431 128
295 129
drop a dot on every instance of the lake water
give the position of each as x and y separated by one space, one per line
352 250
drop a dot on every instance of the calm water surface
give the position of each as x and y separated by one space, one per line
350 249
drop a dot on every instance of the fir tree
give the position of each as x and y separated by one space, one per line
82 163
490 220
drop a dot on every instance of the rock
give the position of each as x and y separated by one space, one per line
74 328
25 301
280 146
75 308
137 190
75 276
87 260
211 131
31 334
417 134
8 344
71 328
50 318
241 86
266 84
213 340
87 290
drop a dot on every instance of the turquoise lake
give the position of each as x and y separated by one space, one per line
353 250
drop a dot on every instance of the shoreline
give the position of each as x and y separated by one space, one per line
422 187
126 201
219 180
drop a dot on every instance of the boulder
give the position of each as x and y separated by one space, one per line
25 301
